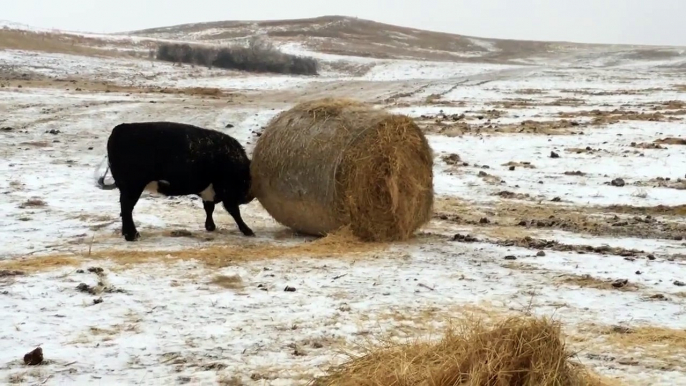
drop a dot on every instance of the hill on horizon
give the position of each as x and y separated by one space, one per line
338 35
344 35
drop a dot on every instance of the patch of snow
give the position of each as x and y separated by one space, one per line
485 44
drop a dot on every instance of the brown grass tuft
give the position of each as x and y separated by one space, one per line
330 163
234 282
516 351
33 203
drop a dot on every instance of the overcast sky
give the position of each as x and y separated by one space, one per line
595 21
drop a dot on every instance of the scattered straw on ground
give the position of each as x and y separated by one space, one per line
40 264
516 352
650 346
340 243
672 340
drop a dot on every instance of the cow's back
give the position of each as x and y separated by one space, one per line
186 154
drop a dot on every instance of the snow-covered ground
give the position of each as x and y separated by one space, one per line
168 321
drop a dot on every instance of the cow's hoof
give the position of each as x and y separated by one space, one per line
248 232
134 237
210 227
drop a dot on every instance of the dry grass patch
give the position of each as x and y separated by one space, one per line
516 351
565 102
52 43
660 210
234 282
33 203
592 92
229 380
88 85
524 267
671 141
646 145
561 126
603 117
671 105
528 215
522 164
530 91
490 178
35 143
504 234
672 340
653 346
513 103
335 244
588 281
40 264
197 91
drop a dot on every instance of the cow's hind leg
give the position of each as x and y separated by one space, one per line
235 212
209 222
128 198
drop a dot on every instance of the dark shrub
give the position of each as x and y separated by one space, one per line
259 56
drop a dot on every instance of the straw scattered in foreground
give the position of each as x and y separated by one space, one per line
518 351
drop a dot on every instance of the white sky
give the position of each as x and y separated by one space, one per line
661 22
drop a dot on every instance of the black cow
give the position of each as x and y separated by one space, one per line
176 159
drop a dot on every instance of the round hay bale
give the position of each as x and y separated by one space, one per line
331 163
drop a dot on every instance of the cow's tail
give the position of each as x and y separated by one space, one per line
100 178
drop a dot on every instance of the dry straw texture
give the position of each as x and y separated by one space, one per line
516 352
339 244
329 163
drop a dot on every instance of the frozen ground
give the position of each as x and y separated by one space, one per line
552 235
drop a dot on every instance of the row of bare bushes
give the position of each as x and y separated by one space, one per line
259 56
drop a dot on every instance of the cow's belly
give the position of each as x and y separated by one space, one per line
171 188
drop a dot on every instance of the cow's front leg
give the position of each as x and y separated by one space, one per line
235 212
209 222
